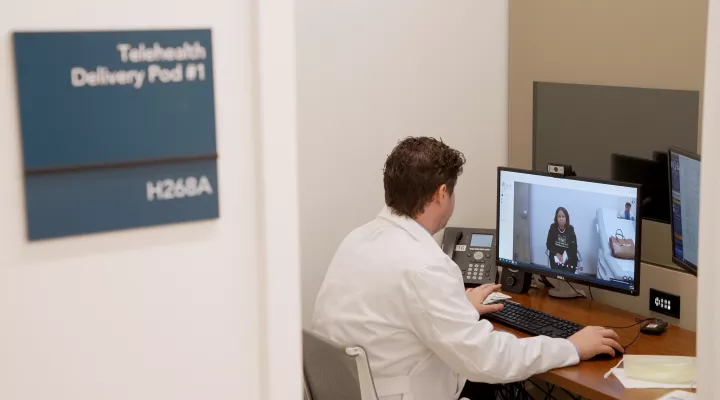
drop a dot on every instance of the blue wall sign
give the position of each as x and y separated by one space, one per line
118 129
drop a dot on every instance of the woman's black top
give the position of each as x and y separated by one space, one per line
561 242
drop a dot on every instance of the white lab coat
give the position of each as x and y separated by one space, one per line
391 290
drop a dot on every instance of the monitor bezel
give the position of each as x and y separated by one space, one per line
635 291
686 266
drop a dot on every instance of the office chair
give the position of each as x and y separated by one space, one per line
335 372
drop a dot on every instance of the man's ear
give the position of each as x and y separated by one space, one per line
442 192
438 195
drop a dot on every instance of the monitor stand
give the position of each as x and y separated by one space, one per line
563 290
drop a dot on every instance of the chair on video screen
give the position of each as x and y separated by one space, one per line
579 269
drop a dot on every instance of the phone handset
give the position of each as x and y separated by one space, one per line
450 251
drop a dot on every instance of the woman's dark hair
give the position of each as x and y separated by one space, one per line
415 169
567 216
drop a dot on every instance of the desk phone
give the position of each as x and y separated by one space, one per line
474 250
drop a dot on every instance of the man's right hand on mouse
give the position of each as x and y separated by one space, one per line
594 340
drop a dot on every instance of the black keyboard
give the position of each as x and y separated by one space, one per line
532 322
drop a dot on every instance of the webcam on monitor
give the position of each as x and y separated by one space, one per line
562 170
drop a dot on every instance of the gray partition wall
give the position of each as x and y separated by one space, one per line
583 125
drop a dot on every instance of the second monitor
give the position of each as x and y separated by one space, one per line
571 229
685 199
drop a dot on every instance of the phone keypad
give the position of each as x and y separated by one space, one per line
477 271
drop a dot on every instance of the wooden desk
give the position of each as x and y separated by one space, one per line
586 379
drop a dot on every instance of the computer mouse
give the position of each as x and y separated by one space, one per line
605 357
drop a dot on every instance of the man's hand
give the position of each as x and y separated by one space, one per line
478 294
594 340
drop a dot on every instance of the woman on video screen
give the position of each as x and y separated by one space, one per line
562 242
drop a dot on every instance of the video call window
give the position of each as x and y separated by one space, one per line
573 227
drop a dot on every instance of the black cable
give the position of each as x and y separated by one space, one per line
637 321
573 288
572 396
591 296
524 394
548 392
513 391
546 282
500 393
520 392
503 393
631 343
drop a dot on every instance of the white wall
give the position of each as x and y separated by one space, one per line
158 313
708 313
371 73
280 223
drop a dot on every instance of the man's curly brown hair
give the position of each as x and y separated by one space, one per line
415 169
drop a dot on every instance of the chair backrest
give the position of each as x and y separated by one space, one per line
331 373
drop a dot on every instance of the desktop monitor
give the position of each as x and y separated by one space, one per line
685 207
652 174
572 229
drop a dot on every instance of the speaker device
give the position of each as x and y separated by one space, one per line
514 281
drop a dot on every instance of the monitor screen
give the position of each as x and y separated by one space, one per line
685 202
652 174
571 229
481 240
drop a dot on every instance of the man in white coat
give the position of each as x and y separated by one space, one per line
392 290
